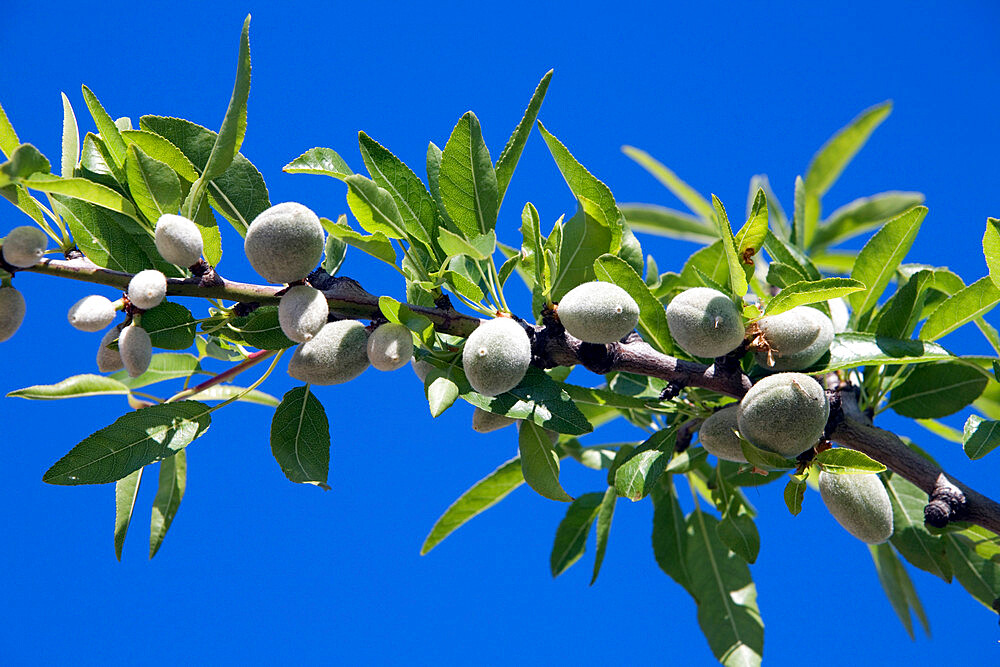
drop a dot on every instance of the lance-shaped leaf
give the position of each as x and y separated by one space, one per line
937 390
662 221
477 247
134 440
483 495
879 258
539 462
897 586
511 152
899 316
737 278
377 245
571 536
863 214
979 437
416 206
605 514
670 533
165 366
300 438
126 490
161 149
910 535
691 198
537 398
585 185
8 137
234 124
851 350
739 533
82 189
155 187
581 240
831 159
750 238
373 207
794 494
991 249
468 184
844 461
783 252
70 139
322 161
652 316
172 484
979 575
73 387
812 291
110 133
961 308
636 476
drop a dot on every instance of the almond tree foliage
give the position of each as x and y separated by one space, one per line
439 234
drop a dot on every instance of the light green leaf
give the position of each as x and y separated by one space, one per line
652 317
991 249
224 392
468 183
750 238
910 535
211 238
583 239
662 221
539 462
161 149
813 291
73 387
134 440
234 124
899 316
571 536
863 214
81 188
788 254
477 247
96 163
373 207
979 438
483 495
511 152
300 438
322 161
879 258
155 187
70 138
585 185
961 308
110 133
416 207
831 159
605 514
400 313
441 391
334 252
694 201
851 350
764 459
24 162
843 461
978 575
126 490
636 476
8 137
169 493
164 366
377 245
737 277
937 390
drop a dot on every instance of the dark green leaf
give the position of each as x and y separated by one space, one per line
483 495
894 580
909 535
831 159
979 438
169 493
809 292
538 398
468 183
261 329
604 516
571 536
795 492
878 259
636 476
652 317
323 161
170 326
737 277
234 124
937 390
300 438
862 215
669 533
843 461
373 207
764 459
783 275
584 238
662 221
694 201
851 350
135 439
961 308
898 318
73 387
785 253
155 187
539 462
978 575
126 490
739 533
377 245
511 152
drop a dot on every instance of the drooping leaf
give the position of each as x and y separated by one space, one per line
134 440
937 390
511 152
979 438
961 308
300 438
662 221
334 252
652 317
126 490
831 159
539 462
895 581
605 514
978 575
862 215
878 259
322 161
694 201
670 533
468 183
538 398
571 536
763 458
794 494
739 533
169 493
483 495
809 292
73 387
910 535
164 366
155 187
441 390
844 461
224 392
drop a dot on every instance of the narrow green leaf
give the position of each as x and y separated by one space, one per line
334 252
851 350
224 392
910 535
843 461
799 225
991 249
739 533
813 291
652 317
373 207
134 440
830 160
979 438
211 238
585 185
605 514
110 133
73 387
126 490
978 575
795 493
477 247
737 277
8 137
764 459
750 238
155 187
96 163
583 239
571 536
322 161
483 495
961 308
669 533
441 391
788 254
878 259
937 390
70 139
169 493
662 221
862 215
694 201
890 574
164 366
468 183
539 462
81 188
300 438
161 149
377 245
415 204
636 476
899 316
234 124
511 152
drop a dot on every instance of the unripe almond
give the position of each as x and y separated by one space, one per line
12 309
302 312
717 435
338 353
284 243
178 240
496 356
795 339
598 312
859 503
784 413
484 421
147 289
109 360
705 322
91 313
390 346
136 350
24 246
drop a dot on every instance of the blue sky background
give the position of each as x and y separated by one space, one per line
257 569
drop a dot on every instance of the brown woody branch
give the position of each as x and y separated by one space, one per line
949 499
